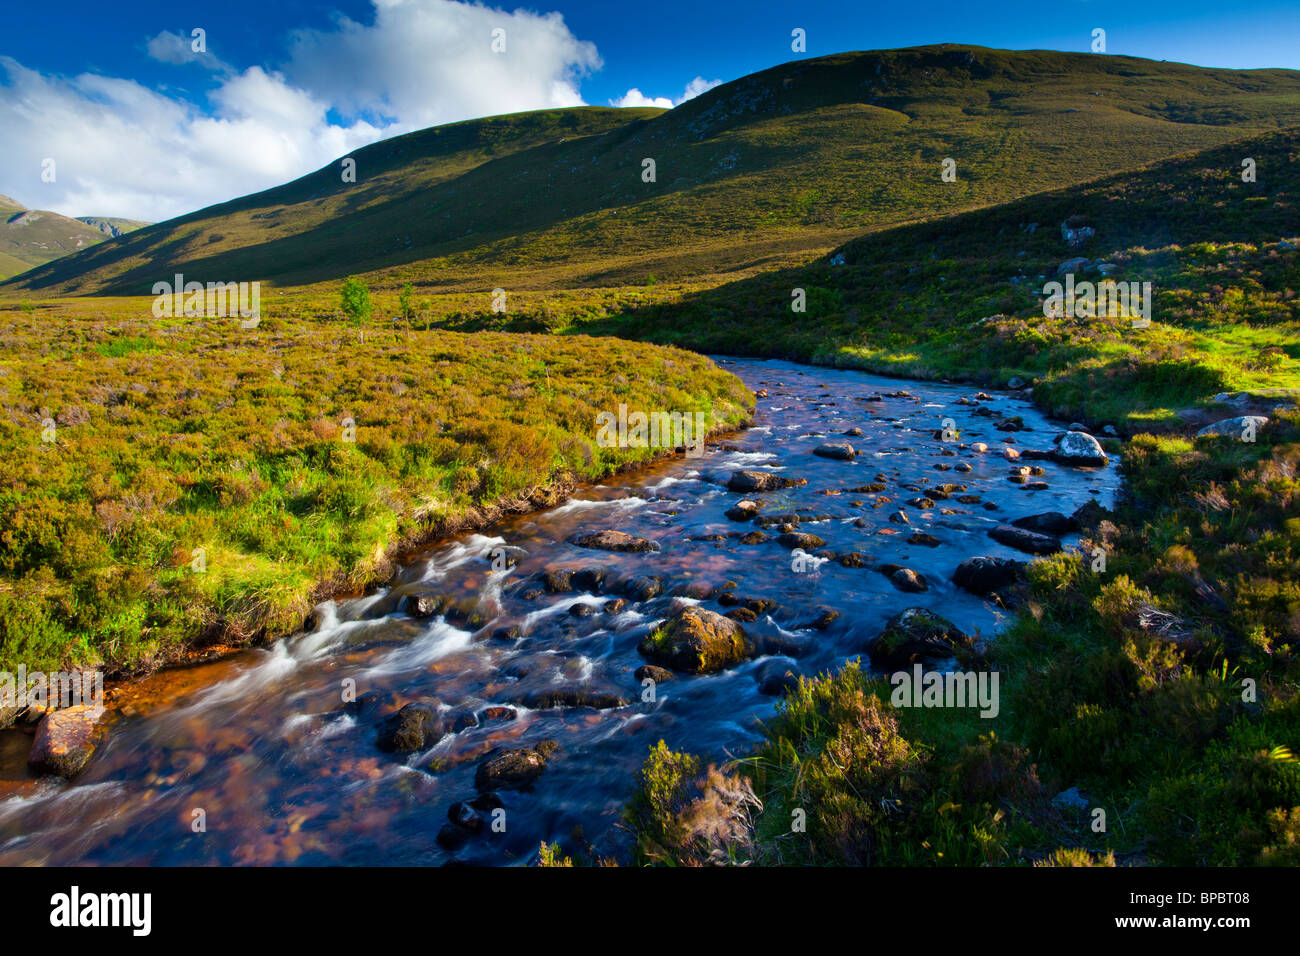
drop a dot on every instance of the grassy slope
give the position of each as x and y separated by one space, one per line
172 436
761 171
909 300
1156 727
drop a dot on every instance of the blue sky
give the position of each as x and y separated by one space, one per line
143 127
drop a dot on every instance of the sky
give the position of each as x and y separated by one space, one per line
107 109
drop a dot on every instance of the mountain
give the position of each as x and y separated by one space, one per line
32 237
768 170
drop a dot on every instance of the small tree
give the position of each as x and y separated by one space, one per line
355 300
405 306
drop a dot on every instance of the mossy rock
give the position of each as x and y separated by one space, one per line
915 635
697 641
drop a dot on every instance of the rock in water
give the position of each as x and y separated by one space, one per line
744 510
1079 448
838 450
916 636
905 579
1234 427
1049 522
746 481
697 641
65 740
614 541
984 574
1023 540
415 727
514 769
801 539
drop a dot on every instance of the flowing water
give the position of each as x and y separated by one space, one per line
282 772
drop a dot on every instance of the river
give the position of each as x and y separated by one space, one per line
255 759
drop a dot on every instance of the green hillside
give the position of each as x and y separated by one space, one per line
960 297
32 237
765 170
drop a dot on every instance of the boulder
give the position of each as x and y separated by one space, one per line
590 579
514 769
643 588
1022 539
1077 264
743 510
580 696
984 574
696 641
778 677
837 450
1234 427
747 481
654 673
905 579
801 539
609 540
424 605
557 581
916 635
66 740
1049 522
1079 448
416 726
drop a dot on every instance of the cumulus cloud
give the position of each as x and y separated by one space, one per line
122 149
634 97
425 62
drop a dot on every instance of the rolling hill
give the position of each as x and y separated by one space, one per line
32 237
767 170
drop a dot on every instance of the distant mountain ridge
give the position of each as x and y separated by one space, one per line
33 237
768 170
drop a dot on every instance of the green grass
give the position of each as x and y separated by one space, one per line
291 459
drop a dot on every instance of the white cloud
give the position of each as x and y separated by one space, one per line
123 149
635 97
168 47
